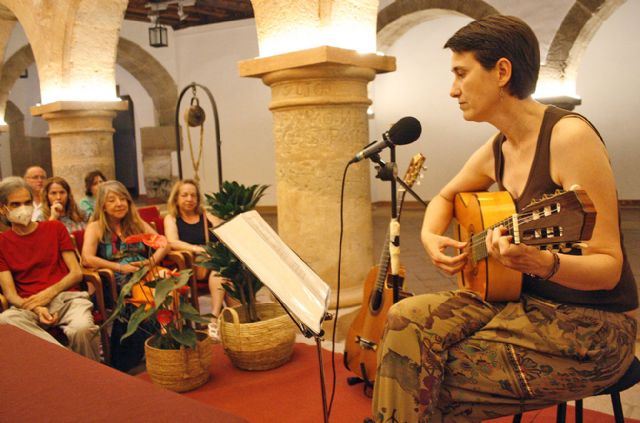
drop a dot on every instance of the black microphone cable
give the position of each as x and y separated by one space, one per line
335 319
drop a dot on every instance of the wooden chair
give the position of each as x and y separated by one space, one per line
4 304
88 278
106 275
628 380
181 259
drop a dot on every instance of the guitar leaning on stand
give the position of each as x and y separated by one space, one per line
360 354
556 222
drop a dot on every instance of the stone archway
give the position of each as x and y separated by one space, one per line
158 141
572 38
402 15
25 151
152 75
11 70
155 79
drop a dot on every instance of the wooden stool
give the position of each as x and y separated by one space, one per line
629 379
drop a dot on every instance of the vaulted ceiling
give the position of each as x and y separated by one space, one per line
201 12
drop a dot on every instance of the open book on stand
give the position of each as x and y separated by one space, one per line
291 280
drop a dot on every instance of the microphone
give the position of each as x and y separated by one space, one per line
404 131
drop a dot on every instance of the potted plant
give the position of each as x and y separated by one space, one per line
259 336
177 356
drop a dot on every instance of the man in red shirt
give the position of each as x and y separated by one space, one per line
38 273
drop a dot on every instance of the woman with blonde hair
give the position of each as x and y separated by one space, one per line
114 219
187 227
58 204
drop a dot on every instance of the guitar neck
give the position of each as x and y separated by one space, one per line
549 235
478 245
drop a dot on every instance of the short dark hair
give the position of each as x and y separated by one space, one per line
496 36
88 180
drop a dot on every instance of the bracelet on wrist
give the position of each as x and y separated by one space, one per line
554 269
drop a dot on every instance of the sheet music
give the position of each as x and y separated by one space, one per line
292 281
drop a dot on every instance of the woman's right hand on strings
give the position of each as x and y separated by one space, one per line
436 245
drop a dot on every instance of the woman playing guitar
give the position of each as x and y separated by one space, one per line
455 355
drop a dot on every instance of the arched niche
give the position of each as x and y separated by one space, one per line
400 16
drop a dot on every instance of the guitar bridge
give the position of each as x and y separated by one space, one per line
366 344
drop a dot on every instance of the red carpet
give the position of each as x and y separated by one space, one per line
291 393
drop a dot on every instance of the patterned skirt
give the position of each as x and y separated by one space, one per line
454 357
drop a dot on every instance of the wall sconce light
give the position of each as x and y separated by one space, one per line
158 36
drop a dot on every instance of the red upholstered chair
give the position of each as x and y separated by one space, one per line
181 259
151 215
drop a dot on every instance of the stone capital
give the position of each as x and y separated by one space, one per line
76 117
316 56
75 106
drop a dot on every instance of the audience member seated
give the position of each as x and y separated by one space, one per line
91 182
58 204
38 274
35 177
186 226
115 218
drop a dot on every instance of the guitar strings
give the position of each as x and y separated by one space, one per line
479 239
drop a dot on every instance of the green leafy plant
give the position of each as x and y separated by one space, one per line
232 200
161 301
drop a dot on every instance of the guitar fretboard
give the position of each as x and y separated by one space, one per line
478 244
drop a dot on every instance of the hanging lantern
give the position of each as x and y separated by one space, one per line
158 36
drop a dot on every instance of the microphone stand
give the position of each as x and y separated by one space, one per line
389 172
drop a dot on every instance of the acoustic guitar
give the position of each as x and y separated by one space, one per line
556 222
366 329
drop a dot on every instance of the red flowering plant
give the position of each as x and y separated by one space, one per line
160 296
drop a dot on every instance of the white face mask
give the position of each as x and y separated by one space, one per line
21 215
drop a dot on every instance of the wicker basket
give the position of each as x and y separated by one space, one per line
262 345
180 370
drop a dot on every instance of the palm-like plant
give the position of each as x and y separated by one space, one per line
232 200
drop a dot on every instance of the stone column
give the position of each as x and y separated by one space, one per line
5 151
81 138
158 142
319 104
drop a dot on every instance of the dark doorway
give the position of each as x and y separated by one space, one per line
124 148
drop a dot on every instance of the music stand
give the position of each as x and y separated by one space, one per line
286 275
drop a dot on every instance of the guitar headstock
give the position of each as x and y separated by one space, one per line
416 166
557 220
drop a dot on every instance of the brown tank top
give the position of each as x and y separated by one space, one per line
624 297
